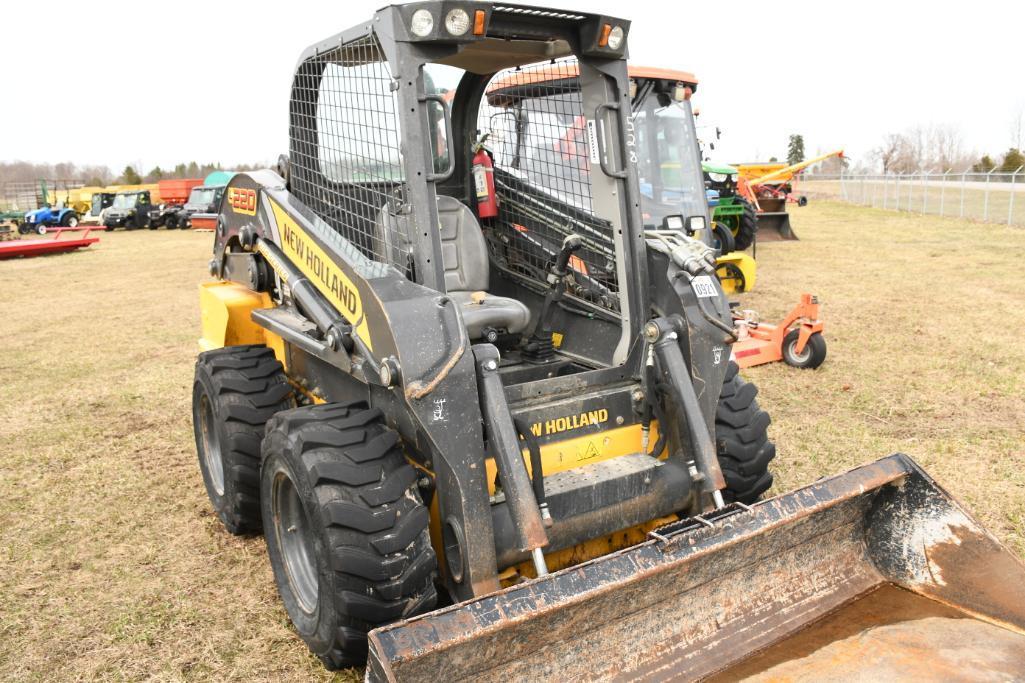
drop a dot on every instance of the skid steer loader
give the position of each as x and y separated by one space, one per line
485 418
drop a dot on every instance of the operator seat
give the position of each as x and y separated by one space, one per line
467 273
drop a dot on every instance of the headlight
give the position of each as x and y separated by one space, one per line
457 22
673 223
717 177
616 37
422 23
734 177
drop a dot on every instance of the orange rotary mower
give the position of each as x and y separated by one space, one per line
797 340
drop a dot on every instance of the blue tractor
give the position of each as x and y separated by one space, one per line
48 216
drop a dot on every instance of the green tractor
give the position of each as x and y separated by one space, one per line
729 208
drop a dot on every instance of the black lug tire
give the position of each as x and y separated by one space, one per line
244 386
368 527
742 441
814 350
747 226
724 237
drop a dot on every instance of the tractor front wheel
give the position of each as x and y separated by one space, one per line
725 242
811 357
346 530
741 440
747 226
236 391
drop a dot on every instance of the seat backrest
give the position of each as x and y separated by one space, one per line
463 250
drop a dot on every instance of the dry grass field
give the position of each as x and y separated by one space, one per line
113 567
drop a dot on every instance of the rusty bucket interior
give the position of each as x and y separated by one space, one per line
877 573
774 220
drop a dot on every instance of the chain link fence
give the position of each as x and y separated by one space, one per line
994 197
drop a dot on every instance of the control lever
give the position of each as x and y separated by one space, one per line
540 348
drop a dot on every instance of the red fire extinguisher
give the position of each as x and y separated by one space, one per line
484 181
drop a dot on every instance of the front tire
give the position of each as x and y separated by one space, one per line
814 350
747 226
724 238
345 527
742 441
236 391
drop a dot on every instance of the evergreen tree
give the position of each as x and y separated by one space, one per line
985 165
795 151
1013 160
130 177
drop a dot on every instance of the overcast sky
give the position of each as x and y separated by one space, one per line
135 82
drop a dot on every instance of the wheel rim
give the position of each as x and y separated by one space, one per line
294 538
211 445
799 358
73 222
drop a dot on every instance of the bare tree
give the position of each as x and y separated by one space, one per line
887 152
1018 127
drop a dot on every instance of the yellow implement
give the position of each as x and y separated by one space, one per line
762 174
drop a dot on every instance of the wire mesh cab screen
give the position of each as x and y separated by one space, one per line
346 157
545 149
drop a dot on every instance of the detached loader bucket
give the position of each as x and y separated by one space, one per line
774 221
876 573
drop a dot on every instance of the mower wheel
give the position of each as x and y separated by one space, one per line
731 272
236 391
346 529
802 201
747 226
741 440
812 356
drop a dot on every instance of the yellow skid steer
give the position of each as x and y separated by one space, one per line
485 415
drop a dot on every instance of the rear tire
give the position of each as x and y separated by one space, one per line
345 527
742 441
236 391
814 350
70 220
747 226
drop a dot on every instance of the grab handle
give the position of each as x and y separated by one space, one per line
603 147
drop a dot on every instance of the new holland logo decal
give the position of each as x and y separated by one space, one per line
321 269
570 422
